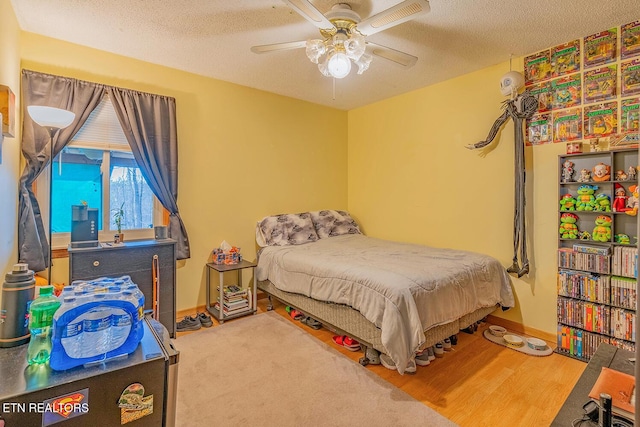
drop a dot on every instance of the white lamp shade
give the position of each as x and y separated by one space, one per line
339 65
50 117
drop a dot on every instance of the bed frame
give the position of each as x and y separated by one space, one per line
344 320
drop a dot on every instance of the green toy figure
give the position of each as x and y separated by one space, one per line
568 228
602 230
585 200
623 239
602 203
567 203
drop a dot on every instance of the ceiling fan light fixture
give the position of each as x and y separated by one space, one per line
315 49
363 62
355 46
339 65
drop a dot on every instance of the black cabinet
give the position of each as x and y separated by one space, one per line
135 259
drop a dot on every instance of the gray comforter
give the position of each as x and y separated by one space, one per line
404 289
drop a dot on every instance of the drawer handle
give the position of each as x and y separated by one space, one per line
96 263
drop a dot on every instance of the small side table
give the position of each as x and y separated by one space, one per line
219 314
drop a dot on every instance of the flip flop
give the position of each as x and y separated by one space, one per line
312 323
346 342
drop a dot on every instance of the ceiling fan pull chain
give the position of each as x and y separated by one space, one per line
334 88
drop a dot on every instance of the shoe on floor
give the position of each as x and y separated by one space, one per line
446 344
346 342
422 358
454 339
189 323
431 354
205 320
373 355
388 363
438 350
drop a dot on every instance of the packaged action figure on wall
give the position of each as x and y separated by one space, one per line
600 120
600 84
542 91
566 91
537 67
539 129
565 58
567 125
630 116
630 77
630 37
600 48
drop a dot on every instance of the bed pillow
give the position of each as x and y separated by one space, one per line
286 229
329 223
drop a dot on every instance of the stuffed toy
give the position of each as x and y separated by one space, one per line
620 199
602 203
567 203
602 230
621 175
632 201
567 171
601 172
622 239
568 228
585 200
585 175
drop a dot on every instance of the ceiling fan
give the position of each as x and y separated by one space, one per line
343 36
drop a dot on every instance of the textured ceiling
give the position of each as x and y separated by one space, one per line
213 38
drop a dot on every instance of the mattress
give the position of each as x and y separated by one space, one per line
403 289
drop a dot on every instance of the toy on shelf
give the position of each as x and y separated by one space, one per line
568 227
620 199
621 175
601 172
602 230
584 235
622 239
602 203
585 175
585 201
567 171
632 201
567 203
632 174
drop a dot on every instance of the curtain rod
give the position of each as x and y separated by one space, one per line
25 71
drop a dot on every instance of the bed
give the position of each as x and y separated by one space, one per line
394 297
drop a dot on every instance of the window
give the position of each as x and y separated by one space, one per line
98 168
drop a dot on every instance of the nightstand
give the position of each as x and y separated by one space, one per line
233 300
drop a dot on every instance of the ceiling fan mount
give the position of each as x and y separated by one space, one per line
343 36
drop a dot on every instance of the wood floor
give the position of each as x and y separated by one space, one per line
478 383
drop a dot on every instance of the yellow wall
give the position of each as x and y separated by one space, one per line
9 169
243 153
412 179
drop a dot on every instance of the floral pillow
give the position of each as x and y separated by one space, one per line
286 229
331 223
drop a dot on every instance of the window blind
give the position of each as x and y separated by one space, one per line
102 129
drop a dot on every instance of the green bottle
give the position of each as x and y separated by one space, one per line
41 313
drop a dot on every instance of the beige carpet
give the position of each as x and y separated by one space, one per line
262 371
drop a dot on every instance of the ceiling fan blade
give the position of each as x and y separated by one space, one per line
402 12
310 13
265 48
396 56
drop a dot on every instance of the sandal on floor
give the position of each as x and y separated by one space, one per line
295 314
312 323
346 342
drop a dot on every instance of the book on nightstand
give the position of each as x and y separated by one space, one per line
621 387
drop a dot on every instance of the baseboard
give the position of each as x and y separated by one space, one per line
520 328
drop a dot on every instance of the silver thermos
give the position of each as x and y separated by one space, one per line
18 291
